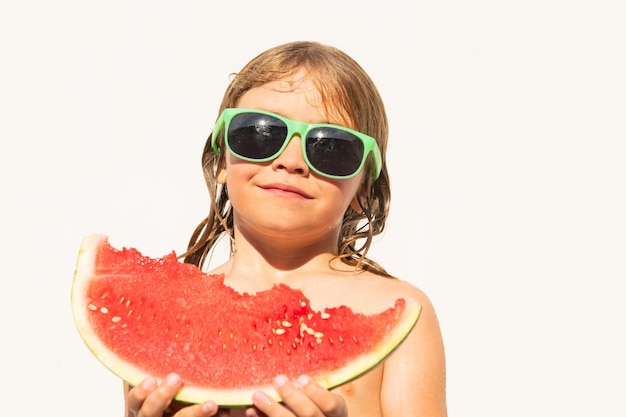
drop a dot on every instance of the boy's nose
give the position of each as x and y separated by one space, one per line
292 159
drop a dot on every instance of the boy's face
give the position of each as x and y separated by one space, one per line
284 197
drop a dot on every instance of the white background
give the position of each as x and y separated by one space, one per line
507 156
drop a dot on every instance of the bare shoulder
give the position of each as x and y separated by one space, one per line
370 293
399 288
428 324
418 365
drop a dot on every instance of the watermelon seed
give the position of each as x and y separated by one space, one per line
341 339
269 341
355 339
231 336
318 335
318 340
279 331
127 303
122 300
129 312
104 310
116 319
285 323
325 315
105 295
92 307
224 346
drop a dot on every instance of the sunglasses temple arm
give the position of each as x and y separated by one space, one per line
378 160
216 130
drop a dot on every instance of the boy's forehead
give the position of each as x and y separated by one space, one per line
297 82
300 82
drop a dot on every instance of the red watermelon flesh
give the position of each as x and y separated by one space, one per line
143 316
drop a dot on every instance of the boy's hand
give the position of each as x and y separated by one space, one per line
302 398
148 399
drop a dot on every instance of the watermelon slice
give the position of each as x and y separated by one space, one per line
143 316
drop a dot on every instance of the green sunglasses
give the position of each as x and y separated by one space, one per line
332 151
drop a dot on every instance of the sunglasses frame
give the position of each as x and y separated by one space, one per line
302 129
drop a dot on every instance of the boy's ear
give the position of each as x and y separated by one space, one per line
221 176
359 196
354 204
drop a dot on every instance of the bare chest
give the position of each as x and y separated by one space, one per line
362 396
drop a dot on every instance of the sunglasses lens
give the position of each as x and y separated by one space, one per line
255 135
334 151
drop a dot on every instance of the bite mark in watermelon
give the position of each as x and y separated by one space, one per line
143 316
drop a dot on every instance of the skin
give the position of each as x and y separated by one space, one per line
294 245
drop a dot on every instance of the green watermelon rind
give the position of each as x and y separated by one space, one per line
224 397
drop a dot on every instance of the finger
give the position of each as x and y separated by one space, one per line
267 406
157 401
137 395
206 409
254 412
330 404
295 398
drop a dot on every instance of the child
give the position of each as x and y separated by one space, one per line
305 216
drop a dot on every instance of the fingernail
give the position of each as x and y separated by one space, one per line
209 408
172 380
148 383
261 399
280 380
303 380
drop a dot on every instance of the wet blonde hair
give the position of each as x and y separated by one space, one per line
349 95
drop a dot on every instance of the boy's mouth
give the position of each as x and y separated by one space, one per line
286 189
